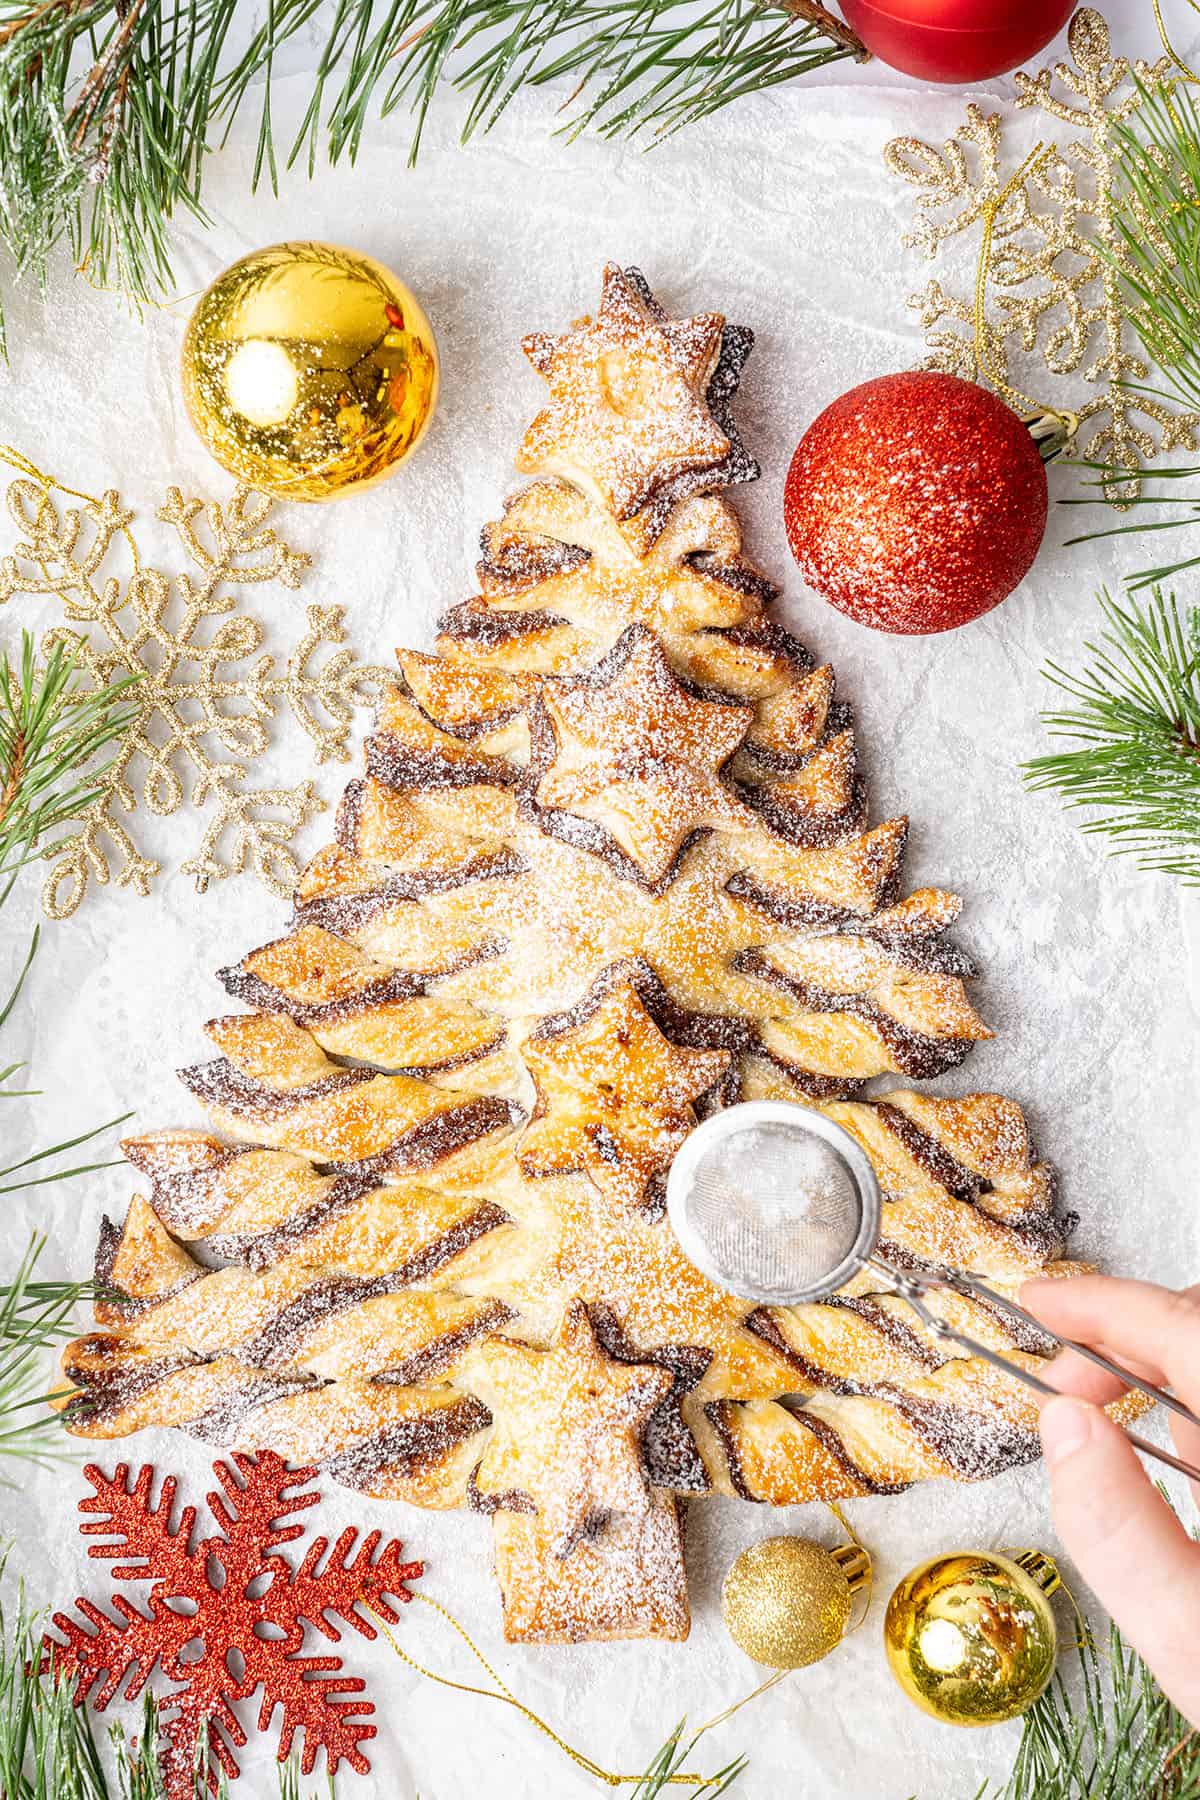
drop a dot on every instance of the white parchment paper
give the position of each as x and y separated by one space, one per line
780 214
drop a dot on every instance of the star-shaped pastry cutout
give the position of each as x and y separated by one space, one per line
615 1097
627 409
568 1429
642 756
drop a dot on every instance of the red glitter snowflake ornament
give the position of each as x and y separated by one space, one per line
226 1615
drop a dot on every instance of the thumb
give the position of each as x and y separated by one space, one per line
1127 1543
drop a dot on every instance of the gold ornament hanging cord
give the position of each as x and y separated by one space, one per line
1187 73
1050 255
502 1692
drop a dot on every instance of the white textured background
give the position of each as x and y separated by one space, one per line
780 214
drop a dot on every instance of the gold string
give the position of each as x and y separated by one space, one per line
1187 73
21 463
502 1692
983 355
868 1588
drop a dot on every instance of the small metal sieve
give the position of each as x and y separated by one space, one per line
777 1204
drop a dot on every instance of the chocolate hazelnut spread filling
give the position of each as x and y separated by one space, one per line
345 913
914 1053
398 765
279 1340
474 622
671 1454
972 1444
106 1392
510 1500
407 1445
222 1423
763 1323
926 951
809 831
435 1358
830 1440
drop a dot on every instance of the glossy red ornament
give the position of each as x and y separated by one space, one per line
916 502
204 1617
956 40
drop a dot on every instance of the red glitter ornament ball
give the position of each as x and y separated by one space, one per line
956 40
915 502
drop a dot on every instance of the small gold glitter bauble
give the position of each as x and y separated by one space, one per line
309 371
786 1602
971 1637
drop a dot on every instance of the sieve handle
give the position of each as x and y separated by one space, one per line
914 1287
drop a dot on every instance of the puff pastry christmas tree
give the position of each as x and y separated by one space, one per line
609 867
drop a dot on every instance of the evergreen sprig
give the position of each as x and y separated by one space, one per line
1156 168
51 731
48 1747
108 107
664 1771
1135 718
33 1315
1124 1741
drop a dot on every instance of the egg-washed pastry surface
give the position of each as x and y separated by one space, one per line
609 866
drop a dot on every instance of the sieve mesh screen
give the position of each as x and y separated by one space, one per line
775 1208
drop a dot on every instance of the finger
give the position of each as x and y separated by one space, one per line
1071 1373
1158 1327
1187 1442
1129 1546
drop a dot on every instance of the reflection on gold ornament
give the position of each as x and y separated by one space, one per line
786 1602
309 371
971 1638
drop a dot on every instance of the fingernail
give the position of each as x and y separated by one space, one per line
1066 1426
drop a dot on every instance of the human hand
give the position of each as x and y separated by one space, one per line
1129 1546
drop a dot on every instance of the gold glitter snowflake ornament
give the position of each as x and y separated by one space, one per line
204 701
1050 251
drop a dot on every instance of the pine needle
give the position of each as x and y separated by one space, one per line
664 1770
1157 169
48 1749
51 730
1136 720
1123 1740
1156 165
109 107
33 1316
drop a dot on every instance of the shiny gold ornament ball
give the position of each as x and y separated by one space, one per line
786 1602
309 371
971 1638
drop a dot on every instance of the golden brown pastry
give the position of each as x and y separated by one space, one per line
609 866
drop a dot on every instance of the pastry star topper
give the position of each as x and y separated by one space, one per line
627 408
615 1097
569 1425
642 756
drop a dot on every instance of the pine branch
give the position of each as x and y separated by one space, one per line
1157 170
1124 1741
51 729
33 1315
1136 719
665 1769
1158 573
108 107
48 1748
